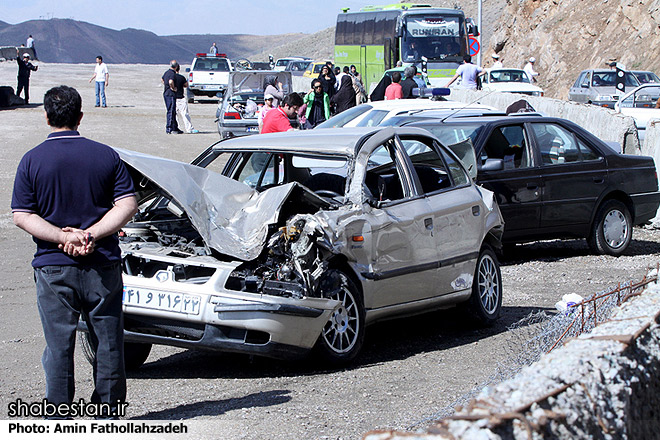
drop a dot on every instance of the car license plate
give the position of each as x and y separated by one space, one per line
169 301
210 88
252 129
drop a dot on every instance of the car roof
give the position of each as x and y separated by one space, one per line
331 141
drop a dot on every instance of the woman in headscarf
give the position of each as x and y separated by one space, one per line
318 105
273 88
345 97
327 79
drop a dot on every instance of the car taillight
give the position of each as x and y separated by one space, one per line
190 77
232 115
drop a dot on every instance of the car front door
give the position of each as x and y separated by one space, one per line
402 253
458 215
509 169
574 177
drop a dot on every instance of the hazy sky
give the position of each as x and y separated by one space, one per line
190 16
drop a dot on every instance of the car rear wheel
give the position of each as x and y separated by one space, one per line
135 353
343 335
485 302
611 232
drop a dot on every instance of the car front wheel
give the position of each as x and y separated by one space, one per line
485 302
342 336
611 232
135 353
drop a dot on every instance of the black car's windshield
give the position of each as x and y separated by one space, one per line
345 117
449 133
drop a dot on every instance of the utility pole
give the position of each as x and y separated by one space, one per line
481 46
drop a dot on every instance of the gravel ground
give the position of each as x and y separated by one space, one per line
410 368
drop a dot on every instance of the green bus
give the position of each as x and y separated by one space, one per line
376 37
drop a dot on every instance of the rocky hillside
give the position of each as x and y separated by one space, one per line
571 35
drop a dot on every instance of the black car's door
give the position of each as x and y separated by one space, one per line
507 167
574 177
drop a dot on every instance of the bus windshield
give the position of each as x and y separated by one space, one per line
436 37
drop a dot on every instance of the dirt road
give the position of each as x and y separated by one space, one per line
409 370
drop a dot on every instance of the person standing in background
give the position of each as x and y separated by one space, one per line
268 105
169 95
468 73
318 105
497 64
30 44
25 68
102 76
213 50
529 70
393 91
180 82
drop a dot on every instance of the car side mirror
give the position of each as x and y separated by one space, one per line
492 165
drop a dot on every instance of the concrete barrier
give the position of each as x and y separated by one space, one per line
603 384
602 122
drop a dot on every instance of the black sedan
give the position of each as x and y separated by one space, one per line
553 179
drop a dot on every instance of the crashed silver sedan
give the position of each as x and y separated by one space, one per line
280 244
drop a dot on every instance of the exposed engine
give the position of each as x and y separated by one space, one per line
292 264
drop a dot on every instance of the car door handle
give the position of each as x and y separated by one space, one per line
599 180
428 223
532 186
476 210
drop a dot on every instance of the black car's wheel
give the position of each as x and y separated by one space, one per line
485 302
135 354
611 232
342 336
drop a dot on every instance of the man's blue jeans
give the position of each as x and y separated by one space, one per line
100 93
170 104
63 294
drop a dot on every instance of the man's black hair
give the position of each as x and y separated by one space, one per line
467 58
99 57
292 99
346 69
63 106
396 77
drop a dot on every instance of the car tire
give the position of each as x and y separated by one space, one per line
135 353
342 336
611 231
485 303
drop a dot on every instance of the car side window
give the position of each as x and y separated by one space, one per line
509 144
558 145
382 178
586 79
261 169
429 165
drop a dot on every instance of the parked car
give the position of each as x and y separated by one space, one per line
208 76
281 63
375 113
304 240
598 87
237 114
640 104
509 81
553 179
645 77
313 69
297 67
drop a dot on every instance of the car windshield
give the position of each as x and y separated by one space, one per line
247 82
344 117
282 62
647 77
498 76
450 134
608 79
212 64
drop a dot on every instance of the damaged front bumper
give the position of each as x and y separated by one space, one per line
168 306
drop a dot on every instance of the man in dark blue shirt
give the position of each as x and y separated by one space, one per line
73 195
169 95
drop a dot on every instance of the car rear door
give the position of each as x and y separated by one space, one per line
574 178
578 92
508 167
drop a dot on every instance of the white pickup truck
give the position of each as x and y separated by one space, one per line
208 75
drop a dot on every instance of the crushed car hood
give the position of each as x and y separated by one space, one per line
231 217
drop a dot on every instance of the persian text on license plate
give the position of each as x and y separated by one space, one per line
170 301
